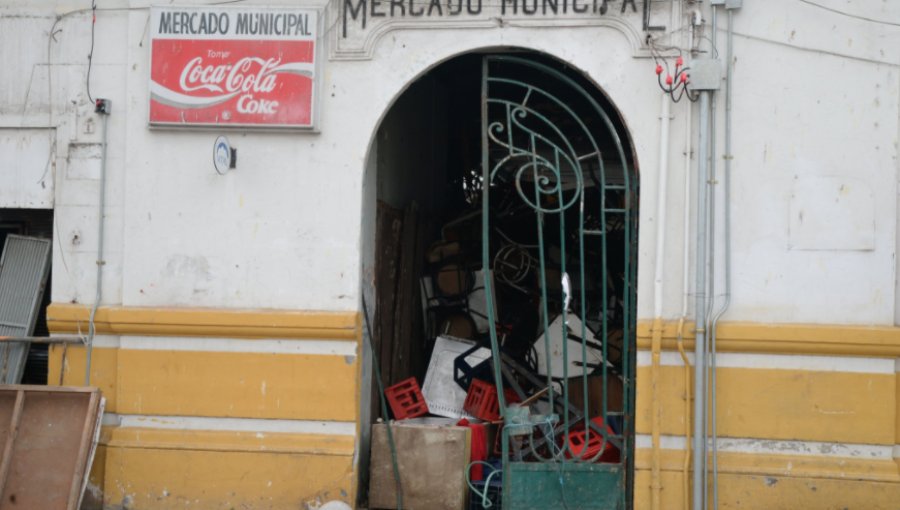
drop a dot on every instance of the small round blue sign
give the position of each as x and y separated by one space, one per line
222 155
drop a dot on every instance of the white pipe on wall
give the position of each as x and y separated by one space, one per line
662 191
101 214
664 120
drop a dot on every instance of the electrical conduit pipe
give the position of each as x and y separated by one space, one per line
727 228
700 308
686 286
101 214
656 341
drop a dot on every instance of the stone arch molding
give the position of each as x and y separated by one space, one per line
359 44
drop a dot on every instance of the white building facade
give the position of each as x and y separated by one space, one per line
229 328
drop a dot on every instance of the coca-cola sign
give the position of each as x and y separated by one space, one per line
240 67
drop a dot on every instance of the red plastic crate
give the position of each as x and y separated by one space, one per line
481 400
406 399
595 444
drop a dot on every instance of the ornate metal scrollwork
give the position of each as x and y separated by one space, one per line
534 155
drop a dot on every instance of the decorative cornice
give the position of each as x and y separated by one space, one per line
363 48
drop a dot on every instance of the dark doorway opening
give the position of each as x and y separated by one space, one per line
428 264
33 223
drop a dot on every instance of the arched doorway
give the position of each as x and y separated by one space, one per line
505 241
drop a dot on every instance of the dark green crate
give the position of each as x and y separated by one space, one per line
586 486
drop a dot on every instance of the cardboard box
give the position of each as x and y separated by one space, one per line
614 393
432 458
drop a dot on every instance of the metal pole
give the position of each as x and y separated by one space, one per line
700 308
711 249
49 340
686 277
89 345
727 227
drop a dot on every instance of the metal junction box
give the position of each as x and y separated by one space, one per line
705 74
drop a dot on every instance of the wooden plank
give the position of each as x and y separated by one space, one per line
391 249
388 226
7 406
407 283
47 457
84 450
417 355
11 438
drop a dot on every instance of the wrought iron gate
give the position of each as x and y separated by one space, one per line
558 210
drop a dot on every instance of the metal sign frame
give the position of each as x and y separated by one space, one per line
214 86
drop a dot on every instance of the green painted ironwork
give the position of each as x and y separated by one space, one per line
580 486
540 130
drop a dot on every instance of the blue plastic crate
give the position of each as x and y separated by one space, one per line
494 495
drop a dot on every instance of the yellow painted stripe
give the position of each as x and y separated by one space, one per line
119 320
227 441
240 385
782 404
93 495
766 492
875 470
788 482
878 341
104 370
732 336
897 410
143 478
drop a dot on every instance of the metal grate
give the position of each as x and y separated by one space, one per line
24 267
543 144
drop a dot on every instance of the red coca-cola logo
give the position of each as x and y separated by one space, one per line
227 82
247 74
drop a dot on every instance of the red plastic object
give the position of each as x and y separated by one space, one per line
406 400
479 451
595 444
481 400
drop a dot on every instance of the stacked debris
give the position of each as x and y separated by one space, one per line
560 384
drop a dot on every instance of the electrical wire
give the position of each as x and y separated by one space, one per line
553 448
91 53
850 15
93 11
676 85
818 51
662 37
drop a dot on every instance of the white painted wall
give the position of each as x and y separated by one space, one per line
825 109
26 165
817 96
